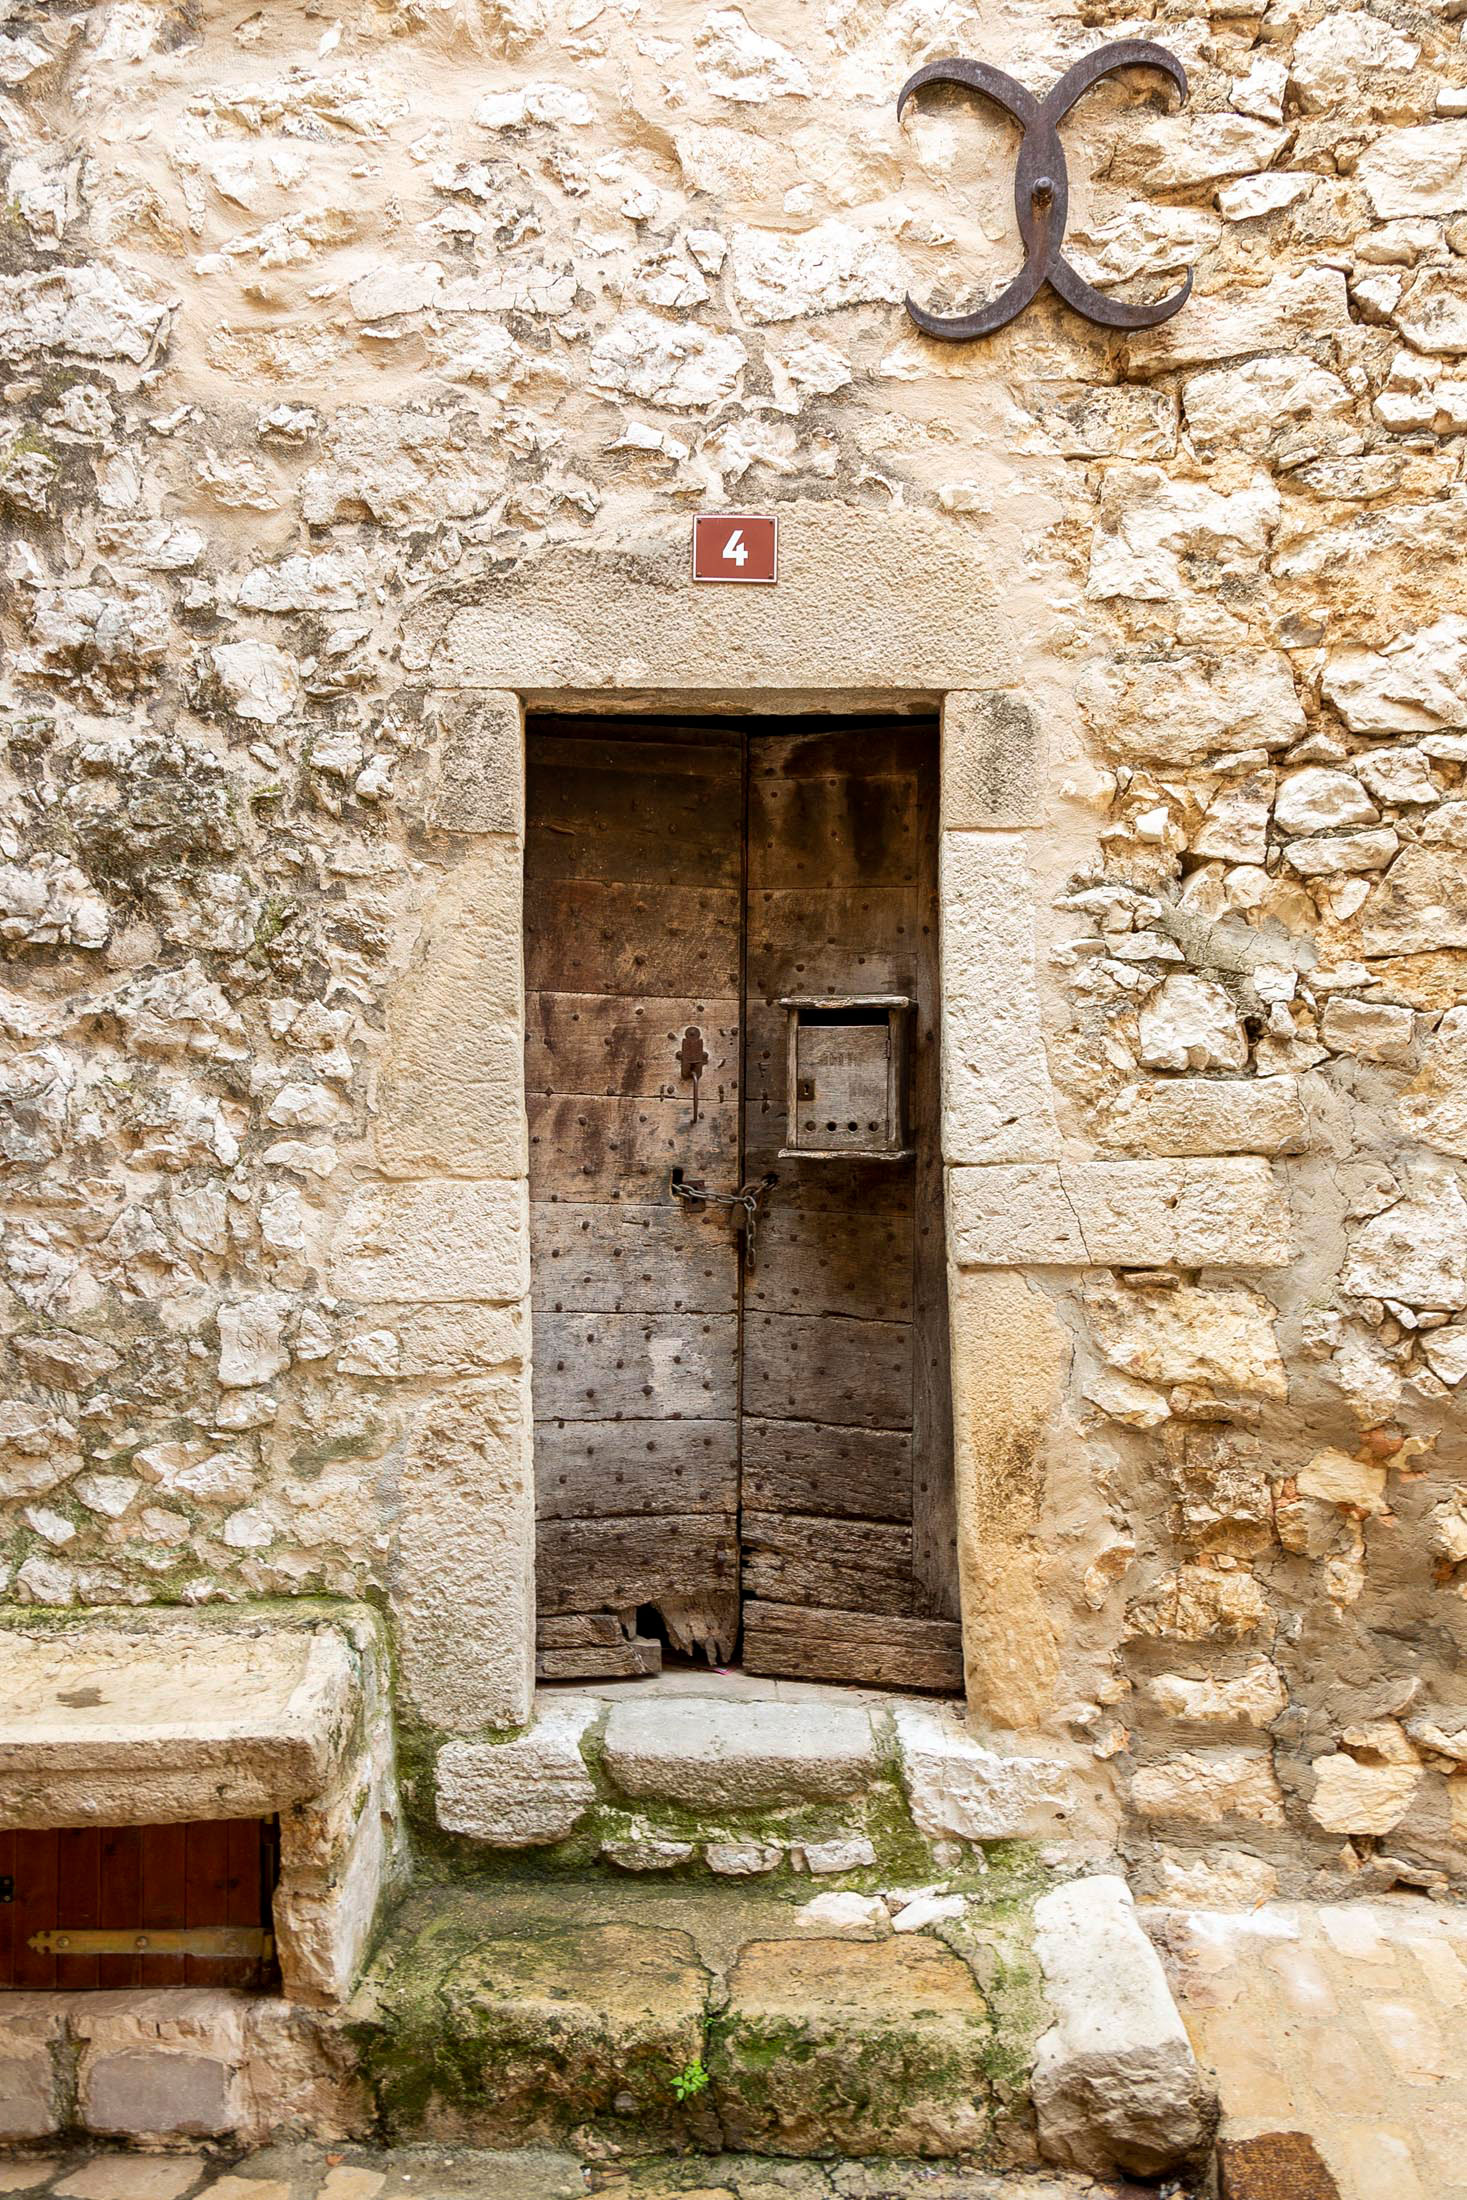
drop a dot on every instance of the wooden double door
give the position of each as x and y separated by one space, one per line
741 1452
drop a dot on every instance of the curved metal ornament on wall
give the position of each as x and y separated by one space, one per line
1042 190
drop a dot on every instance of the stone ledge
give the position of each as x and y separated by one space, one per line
151 1726
1145 1214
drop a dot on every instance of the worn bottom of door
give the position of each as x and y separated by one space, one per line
733 1458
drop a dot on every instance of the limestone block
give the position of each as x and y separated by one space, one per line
1010 1358
1232 324
161 2063
1179 710
450 1098
463 1573
1191 1023
1201 1604
434 1241
1273 404
1198 1788
1207 1115
1337 1479
1224 1879
1415 684
959 1789
1421 170
714 1754
993 763
479 770
1318 800
1255 1697
1197 1213
1433 1108
1376 1031
743 1859
1152 528
1332 56
83 314
1416 1251
161 1723
519 1793
1368 1799
1420 906
324 1920
1222 1336
148 2091
887 2049
997 1101
845 1916
788 278
562 619
30 2103
847 1853
1115 2084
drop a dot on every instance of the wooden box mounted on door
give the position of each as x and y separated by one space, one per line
847 1076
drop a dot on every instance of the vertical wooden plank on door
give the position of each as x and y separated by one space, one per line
7 1911
35 1906
206 1897
78 1897
840 1439
164 1898
248 1902
934 1497
632 933
121 1879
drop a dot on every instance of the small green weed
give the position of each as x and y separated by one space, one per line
690 2081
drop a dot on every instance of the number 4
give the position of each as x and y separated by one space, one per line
734 548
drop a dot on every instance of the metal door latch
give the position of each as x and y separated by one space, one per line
217 1941
692 1060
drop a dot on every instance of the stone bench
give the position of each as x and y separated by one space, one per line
162 1717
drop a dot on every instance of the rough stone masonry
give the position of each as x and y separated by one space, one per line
362 372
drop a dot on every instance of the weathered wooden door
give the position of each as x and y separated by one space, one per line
699 1417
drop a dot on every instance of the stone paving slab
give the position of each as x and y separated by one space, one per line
461 2173
1346 2022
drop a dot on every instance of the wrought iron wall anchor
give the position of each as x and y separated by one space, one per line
1042 190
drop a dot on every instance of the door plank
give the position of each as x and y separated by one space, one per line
609 1150
687 1567
604 1367
820 1367
36 1889
859 1265
121 1877
590 1470
873 1649
607 1043
836 1473
165 1901
865 1565
852 829
78 1897
632 1259
583 936
614 807
7 1910
934 1495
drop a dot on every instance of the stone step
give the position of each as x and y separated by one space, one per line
629 2018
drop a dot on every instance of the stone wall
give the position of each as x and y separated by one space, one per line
355 364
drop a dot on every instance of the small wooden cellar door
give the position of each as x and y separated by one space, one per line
742 1408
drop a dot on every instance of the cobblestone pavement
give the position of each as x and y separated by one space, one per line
461 2173
1344 2021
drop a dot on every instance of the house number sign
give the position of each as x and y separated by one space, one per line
1042 190
736 546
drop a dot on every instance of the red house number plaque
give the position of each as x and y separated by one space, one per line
736 546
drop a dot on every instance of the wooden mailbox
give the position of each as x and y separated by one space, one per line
847 1078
